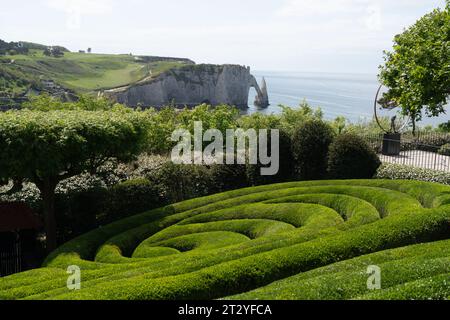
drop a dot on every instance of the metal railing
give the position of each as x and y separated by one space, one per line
425 150
10 258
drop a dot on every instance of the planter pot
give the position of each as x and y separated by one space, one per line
391 144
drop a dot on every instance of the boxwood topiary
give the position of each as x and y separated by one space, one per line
228 177
350 157
242 240
310 144
130 197
286 170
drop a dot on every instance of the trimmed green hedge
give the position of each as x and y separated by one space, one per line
402 172
348 279
239 242
350 157
310 143
131 197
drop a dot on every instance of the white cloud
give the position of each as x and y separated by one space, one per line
88 7
368 13
281 34
373 19
302 8
75 9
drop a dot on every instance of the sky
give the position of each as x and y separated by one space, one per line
268 35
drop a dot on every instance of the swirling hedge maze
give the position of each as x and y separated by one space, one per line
303 240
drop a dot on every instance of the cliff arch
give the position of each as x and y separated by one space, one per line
192 85
262 97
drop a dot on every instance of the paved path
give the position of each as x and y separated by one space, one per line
420 159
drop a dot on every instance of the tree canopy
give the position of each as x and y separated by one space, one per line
417 70
47 102
47 147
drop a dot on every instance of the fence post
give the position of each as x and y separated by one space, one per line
11 257
435 160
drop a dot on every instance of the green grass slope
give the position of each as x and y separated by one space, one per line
301 240
78 72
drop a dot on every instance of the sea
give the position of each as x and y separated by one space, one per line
349 95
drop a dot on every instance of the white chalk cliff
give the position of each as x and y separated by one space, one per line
191 85
262 99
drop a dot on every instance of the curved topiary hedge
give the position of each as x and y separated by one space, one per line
301 240
350 157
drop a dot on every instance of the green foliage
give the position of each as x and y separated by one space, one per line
286 170
161 125
402 172
130 197
259 121
339 125
90 103
310 144
78 206
43 144
37 46
417 71
228 177
434 287
12 48
444 127
164 122
14 81
55 52
47 102
76 72
48 147
292 118
319 237
180 182
365 127
221 117
288 121
445 150
348 279
350 157
44 102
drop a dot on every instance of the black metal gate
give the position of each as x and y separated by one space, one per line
10 254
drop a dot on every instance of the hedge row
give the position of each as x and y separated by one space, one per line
348 279
242 240
402 172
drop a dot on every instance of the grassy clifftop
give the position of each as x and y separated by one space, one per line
77 72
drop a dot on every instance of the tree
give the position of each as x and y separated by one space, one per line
350 157
12 48
47 52
55 51
47 102
48 147
417 71
310 144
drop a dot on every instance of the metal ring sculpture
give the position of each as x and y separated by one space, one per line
375 110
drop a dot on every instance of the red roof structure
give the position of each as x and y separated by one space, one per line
17 216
